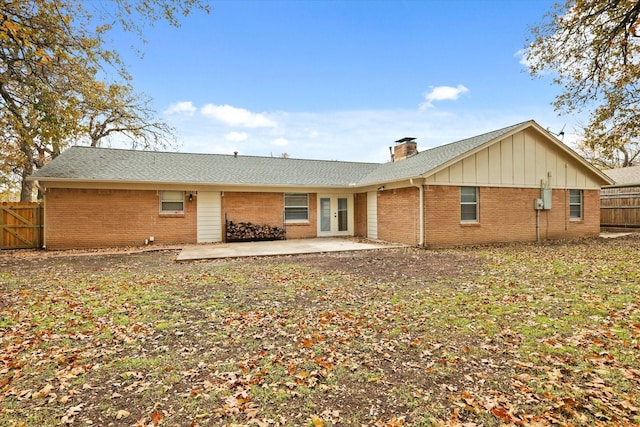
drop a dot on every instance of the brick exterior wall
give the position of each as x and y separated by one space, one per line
78 218
505 215
360 214
268 209
258 208
81 218
399 215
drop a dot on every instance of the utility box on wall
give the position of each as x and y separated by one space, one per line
545 195
538 204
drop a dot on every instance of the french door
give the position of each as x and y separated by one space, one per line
335 215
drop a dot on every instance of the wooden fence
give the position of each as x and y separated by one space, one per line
21 225
620 207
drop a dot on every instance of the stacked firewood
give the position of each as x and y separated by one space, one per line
246 231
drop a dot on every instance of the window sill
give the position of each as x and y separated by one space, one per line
295 224
171 215
470 224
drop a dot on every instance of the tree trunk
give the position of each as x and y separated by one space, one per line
26 192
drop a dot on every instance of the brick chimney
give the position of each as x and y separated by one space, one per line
405 147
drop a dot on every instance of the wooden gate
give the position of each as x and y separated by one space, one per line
21 225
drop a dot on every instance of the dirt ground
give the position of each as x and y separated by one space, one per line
379 265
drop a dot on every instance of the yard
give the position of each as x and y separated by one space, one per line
521 334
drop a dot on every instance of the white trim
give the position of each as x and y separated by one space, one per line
180 196
476 203
581 204
306 206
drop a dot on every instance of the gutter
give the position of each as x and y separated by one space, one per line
421 194
99 183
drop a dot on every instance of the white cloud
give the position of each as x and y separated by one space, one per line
362 135
236 136
522 57
234 116
280 142
443 93
185 107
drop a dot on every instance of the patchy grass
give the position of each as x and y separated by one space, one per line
517 335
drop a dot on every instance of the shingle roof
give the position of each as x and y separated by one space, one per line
105 164
624 176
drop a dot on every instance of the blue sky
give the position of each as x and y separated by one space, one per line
342 80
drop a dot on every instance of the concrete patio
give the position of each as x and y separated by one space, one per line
278 247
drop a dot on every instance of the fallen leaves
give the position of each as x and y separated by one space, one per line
44 392
122 413
545 335
317 421
71 413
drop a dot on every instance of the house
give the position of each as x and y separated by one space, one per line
620 202
518 183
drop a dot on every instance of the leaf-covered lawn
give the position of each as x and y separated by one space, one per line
511 335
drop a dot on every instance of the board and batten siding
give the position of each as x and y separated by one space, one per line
209 217
524 159
372 214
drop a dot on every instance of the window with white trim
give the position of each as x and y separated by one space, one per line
296 207
469 204
172 202
575 204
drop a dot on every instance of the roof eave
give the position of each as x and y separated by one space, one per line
387 181
622 184
44 180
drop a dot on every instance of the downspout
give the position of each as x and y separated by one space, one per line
421 195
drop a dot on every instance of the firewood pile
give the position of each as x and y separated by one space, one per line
247 231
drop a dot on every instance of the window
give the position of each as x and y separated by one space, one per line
296 207
172 202
469 204
575 204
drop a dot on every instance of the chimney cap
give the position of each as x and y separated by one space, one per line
405 140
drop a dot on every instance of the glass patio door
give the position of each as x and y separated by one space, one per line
334 215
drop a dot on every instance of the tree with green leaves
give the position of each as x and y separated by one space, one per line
51 91
592 49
